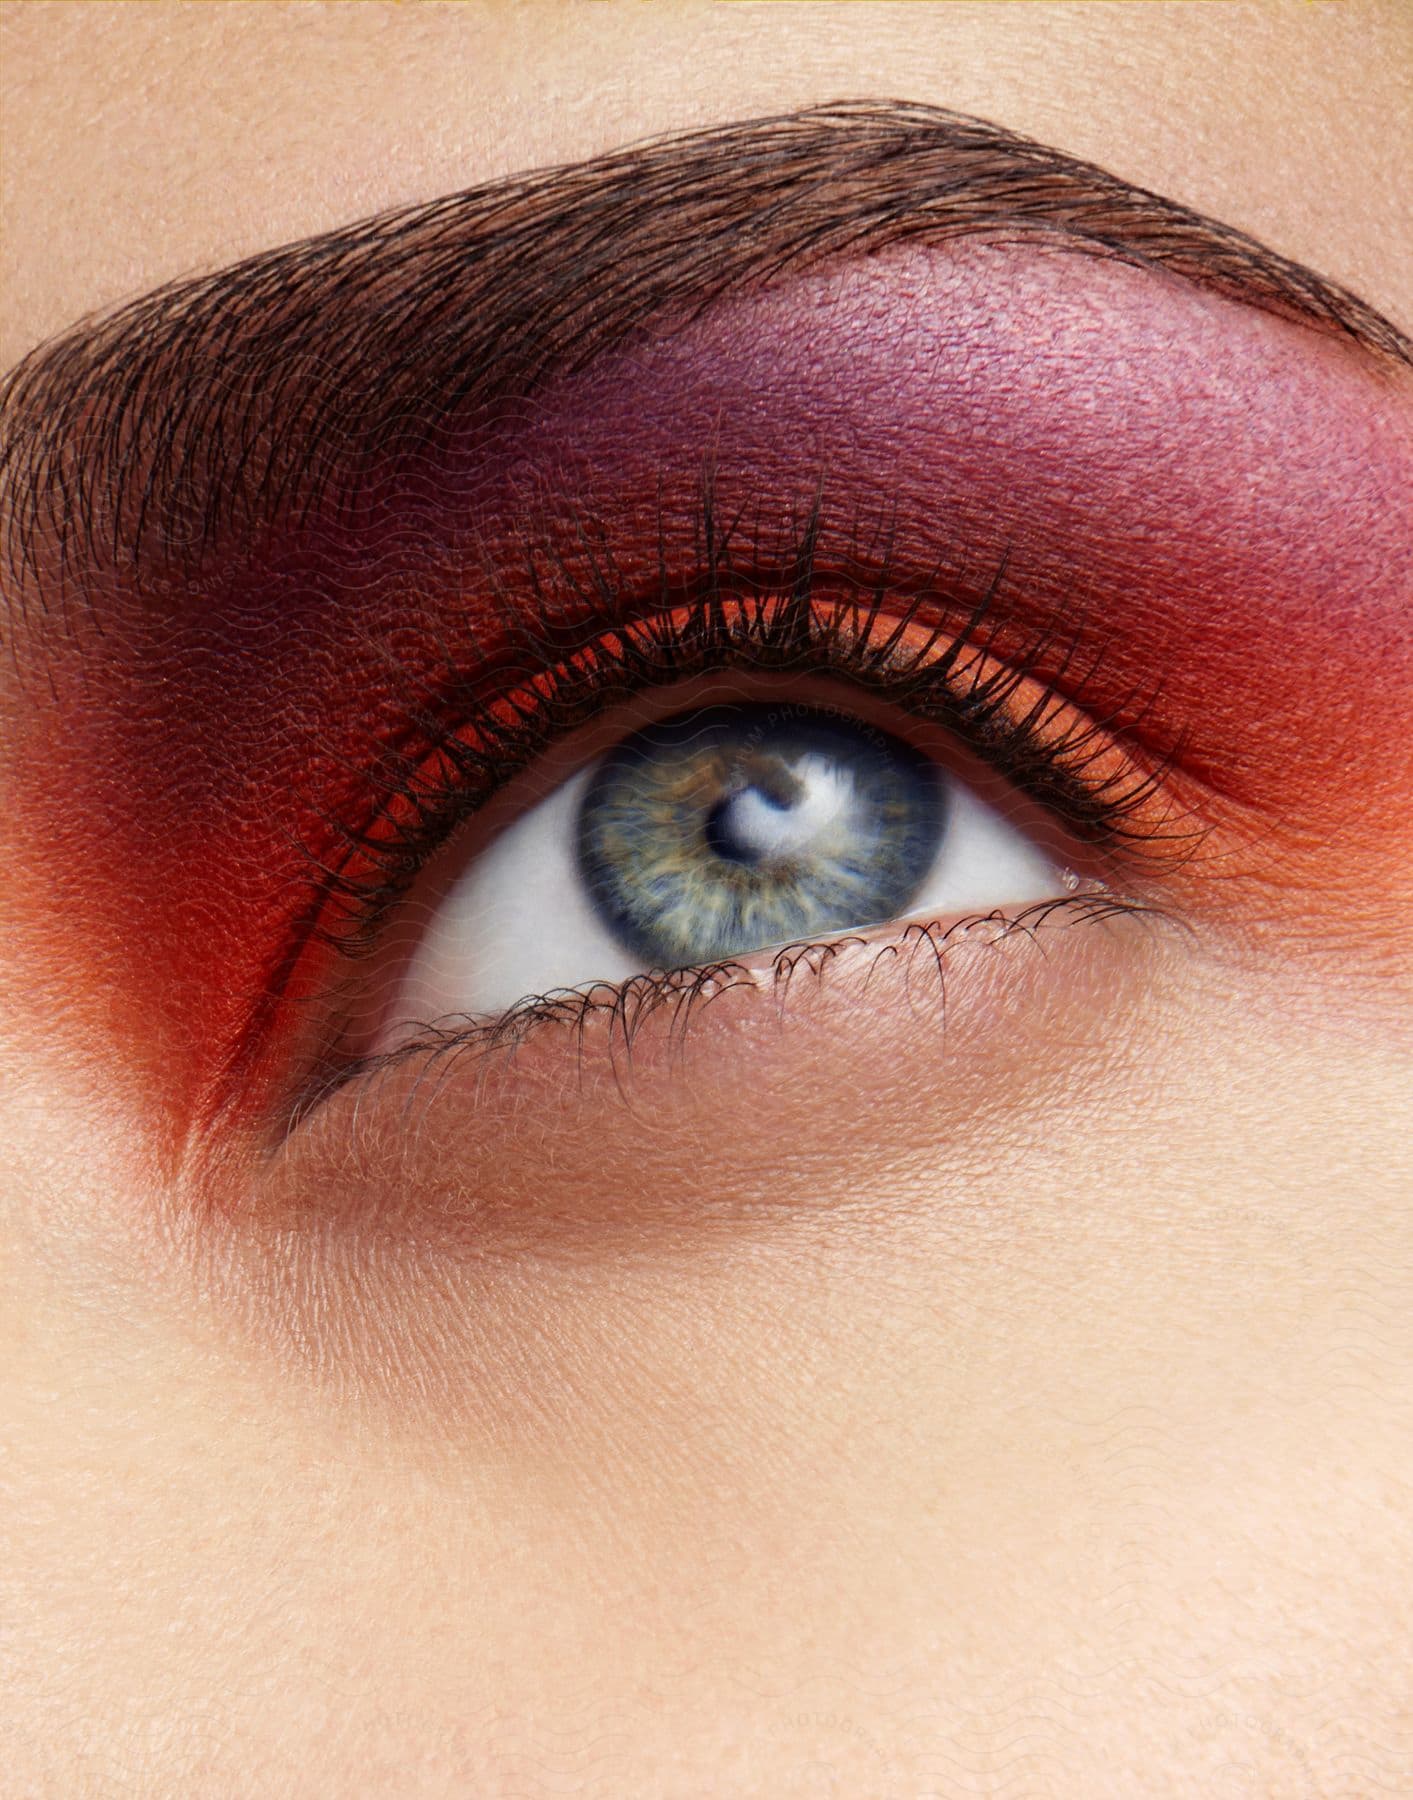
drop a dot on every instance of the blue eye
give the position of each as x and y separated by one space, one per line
736 827
725 830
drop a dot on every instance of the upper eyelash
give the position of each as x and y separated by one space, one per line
469 739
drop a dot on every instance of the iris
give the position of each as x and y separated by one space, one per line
734 827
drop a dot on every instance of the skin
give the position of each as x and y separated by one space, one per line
1039 1425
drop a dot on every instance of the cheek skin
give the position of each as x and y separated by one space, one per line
1220 499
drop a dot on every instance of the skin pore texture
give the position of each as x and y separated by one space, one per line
850 1393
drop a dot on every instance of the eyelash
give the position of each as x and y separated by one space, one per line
475 736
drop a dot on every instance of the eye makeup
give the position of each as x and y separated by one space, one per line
1186 518
1220 502
756 660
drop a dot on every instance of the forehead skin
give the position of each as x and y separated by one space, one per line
1132 1519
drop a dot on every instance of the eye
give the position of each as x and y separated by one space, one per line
720 831
713 782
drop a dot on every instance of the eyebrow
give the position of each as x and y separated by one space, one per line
210 406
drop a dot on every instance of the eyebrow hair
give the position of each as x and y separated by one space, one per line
220 401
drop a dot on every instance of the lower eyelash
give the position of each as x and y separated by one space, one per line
627 1007
470 738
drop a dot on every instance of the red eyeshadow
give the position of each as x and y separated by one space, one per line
1219 498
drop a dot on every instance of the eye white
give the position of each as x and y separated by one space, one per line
519 921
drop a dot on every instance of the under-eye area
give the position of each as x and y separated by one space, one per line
937 1026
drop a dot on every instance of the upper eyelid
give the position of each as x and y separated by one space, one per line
963 652
192 414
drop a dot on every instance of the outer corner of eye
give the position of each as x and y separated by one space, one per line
719 832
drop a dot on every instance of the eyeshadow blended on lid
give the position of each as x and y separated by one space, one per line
259 480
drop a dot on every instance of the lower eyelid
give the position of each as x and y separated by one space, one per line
649 1015
981 1007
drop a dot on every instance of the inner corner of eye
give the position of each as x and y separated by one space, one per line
723 830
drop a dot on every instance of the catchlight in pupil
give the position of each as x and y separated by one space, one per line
735 827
